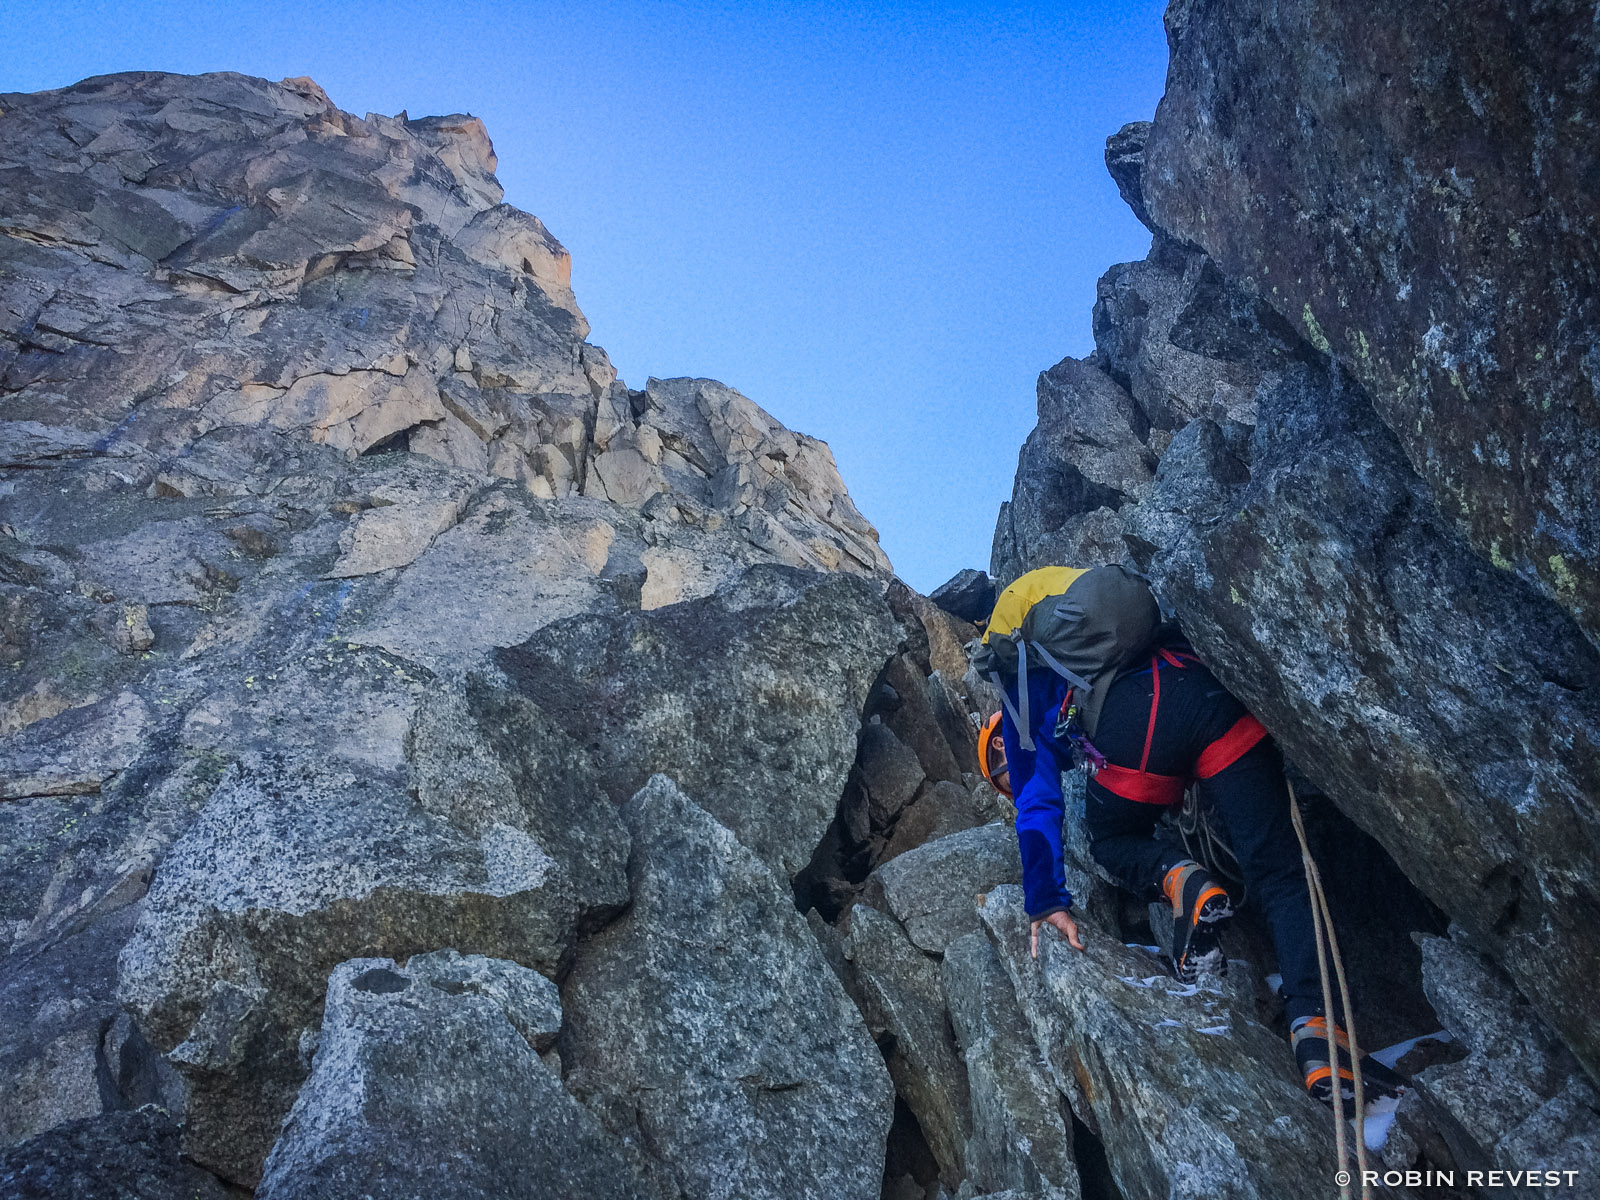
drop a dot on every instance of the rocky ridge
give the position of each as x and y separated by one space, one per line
1339 417
351 605
417 739
412 739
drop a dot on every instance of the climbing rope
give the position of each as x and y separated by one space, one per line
1322 922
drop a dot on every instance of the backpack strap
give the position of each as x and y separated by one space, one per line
1024 740
1018 719
1024 730
1072 677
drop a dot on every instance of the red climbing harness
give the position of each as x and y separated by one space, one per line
1146 786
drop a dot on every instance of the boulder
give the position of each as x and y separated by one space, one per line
1021 1127
939 810
427 1082
1132 1040
749 699
1185 342
904 1009
119 1156
890 770
287 871
1519 1096
1083 461
913 720
967 595
1125 165
707 1031
932 889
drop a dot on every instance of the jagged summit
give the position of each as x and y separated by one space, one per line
203 274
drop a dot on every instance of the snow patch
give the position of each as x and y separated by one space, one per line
1379 1120
1390 1055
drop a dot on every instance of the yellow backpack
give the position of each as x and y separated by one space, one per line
1083 624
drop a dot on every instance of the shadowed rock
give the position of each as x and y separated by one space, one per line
1518 1096
1448 263
1190 1095
904 1008
119 1156
1021 1131
426 1083
708 1032
967 594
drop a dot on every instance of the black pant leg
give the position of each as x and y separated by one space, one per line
1120 838
1253 801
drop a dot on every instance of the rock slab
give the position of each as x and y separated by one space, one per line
425 1084
707 1031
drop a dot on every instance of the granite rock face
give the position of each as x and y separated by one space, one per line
751 698
932 888
1518 1096
1358 362
1083 462
1302 524
1191 1095
1021 1130
427 1082
708 1033
1426 218
201 268
299 433
904 1007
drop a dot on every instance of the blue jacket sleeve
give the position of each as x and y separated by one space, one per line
1036 782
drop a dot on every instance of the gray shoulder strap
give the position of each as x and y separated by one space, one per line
1019 719
1023 738
1072 677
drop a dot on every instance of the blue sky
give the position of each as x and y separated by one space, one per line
879 221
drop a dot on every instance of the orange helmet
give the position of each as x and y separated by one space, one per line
992 756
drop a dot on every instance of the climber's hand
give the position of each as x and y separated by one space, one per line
1064 925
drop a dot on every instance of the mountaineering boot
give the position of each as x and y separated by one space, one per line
1309 1037
1199 906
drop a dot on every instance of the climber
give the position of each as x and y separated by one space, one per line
1081 654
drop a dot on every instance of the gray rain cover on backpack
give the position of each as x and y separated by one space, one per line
1087 634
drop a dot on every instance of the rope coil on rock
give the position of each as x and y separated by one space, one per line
1205 845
